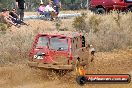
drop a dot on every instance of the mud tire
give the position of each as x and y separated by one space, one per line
100 11
130 9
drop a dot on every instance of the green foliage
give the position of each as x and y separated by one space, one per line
79 23
31 4
3 27
6 3
58 24
94 23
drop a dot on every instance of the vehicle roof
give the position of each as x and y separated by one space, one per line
62 33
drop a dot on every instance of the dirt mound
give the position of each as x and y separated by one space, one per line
17 75
115 62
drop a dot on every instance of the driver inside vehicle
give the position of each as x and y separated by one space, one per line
59 43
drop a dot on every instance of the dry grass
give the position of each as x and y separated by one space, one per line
22 76
106 33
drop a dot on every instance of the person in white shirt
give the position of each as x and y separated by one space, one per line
50 9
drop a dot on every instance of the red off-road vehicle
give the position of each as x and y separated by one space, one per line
102 6
59 50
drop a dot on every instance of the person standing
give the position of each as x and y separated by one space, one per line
20 4
57 5
92 51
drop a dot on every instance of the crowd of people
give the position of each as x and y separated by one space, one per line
51 10
16 15
11 18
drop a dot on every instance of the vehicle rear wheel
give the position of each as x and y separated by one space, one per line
100 11
130 9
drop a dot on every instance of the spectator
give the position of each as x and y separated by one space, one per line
42 11
5 18
92 51
57 5
9 20
49 7
49 10
41 8
13 13
15 18
20 4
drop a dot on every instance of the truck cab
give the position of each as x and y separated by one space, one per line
59 50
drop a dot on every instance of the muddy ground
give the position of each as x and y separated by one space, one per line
22 76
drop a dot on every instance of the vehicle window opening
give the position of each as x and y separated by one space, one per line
77 39
59 43
73 41
83 41
42 41
76 46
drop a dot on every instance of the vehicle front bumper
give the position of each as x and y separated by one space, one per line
50 66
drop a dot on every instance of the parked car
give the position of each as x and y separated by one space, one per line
102 6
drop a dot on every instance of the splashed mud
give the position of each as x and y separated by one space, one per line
22 76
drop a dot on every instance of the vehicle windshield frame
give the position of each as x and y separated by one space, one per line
44 43
60 46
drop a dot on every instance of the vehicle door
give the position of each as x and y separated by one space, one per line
119 4
59 48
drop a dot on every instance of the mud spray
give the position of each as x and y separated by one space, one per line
23 76
19 75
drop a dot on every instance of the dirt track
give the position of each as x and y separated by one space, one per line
22 76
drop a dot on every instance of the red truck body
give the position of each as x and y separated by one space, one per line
102 6
58 50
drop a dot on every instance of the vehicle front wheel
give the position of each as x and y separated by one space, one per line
100 11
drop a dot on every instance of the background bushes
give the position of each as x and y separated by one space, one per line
105 32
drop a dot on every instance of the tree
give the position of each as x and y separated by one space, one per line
6 3
72 1
79 23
